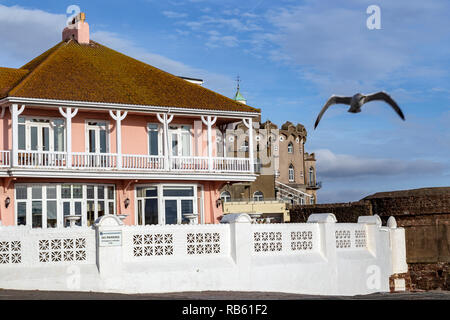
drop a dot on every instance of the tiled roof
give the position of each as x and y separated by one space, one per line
9 78
94 73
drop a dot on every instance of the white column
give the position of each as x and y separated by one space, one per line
249 124
118 116
165 120
15 113
68 114
209 121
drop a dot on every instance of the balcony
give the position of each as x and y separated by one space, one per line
109 162
314 185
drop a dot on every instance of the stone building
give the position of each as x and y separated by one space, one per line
287 174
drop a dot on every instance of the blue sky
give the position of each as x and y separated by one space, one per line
291 56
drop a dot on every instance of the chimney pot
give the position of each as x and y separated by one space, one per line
77 30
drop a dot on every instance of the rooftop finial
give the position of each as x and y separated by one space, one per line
239 97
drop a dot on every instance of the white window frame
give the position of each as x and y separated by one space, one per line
59 202
51 134
161 201
179 132
290 147
259 197
108 134
291 173
225 197
160 138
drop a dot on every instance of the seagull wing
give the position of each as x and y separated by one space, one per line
331 101
386 98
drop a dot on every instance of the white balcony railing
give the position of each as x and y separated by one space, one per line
231 164
103 161
142 162
43 159
4 159
109 161
189 164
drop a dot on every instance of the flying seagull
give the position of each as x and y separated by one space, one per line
357 101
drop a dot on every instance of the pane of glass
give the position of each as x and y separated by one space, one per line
21 120
100 192
103 141
171 211
36 214
66 212
77 206
186 144
151 211
100 208
91 140
139 212
22 137
174 144
66 191
21 213
58 137
187 207
90 192
178 191
34 138
21 192
77 192
36 192
51 214
110 192
151 192
90 211
111 207
45 139
51 192
153 140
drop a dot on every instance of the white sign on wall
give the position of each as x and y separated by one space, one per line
110 238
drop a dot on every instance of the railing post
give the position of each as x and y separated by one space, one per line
15 113
209 121
249 124
68 114
119 116
165 120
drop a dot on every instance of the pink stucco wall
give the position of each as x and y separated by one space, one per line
134 141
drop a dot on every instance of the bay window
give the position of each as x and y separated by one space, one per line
47 206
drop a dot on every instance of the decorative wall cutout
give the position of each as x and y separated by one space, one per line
158 244
62 250
268 241
203 243
10 252
343 240
360 239
301 240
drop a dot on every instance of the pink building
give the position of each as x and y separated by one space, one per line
87 131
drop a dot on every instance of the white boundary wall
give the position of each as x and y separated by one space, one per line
318 257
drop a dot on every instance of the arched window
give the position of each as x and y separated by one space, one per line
290 147
311 176
291 173
269 147
258 196
225 196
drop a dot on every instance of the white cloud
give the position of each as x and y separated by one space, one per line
26 33
335 166
174 15
330 43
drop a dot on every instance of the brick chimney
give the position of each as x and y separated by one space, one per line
78 29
